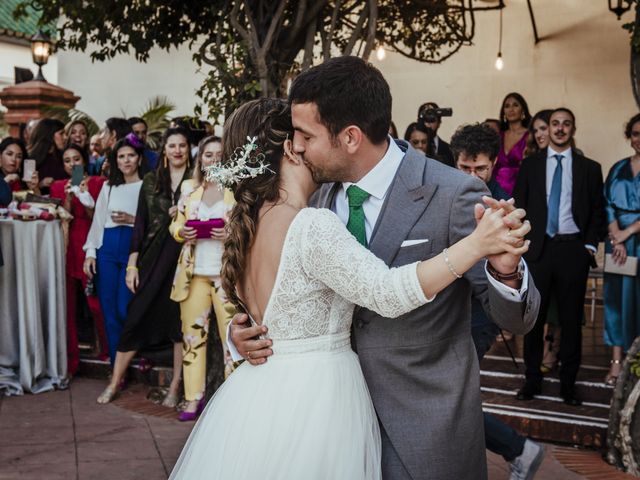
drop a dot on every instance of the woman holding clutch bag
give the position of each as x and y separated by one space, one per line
622 292
197 282
153 319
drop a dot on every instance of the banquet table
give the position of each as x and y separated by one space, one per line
33 347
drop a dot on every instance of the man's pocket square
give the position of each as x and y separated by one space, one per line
408 243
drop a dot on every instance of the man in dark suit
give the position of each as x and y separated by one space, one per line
562 193
441 149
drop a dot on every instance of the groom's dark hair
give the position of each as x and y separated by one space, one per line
347 91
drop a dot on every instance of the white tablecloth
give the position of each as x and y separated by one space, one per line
33 347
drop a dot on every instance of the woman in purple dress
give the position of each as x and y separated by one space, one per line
514 121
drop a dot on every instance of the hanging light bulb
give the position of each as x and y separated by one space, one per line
381 53
499 62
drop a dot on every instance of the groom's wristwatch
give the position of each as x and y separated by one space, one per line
501 277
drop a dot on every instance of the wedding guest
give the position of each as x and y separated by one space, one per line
440 149
77 133
622 292
567 216
197 285
79 200
12 154
140 128
26 132
110 235
419 138
115 128
5 199
153 319
493 124
538 138
47 142
514 121
475 149
95 153
393 130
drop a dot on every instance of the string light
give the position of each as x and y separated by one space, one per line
381 53
499 62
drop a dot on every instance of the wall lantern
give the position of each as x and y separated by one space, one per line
40 51
619 7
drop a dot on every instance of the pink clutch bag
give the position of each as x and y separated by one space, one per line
203 227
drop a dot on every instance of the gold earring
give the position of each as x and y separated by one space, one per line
164 160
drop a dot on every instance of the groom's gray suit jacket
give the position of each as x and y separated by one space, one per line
421 368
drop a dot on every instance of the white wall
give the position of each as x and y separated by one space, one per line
582 62
12 55
124 85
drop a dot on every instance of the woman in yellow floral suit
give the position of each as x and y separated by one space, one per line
202 208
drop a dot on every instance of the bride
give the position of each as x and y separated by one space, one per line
307 412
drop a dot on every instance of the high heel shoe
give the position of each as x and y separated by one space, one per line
191 416
108 395
611 379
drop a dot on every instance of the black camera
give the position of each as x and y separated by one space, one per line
430 115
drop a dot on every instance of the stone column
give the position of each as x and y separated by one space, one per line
26 101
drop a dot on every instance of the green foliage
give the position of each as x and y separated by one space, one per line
249 48
634 29
634 366
67 115
156 114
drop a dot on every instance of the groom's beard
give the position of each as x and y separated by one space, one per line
324 175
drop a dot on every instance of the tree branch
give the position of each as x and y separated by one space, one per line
326 46
355 35
275 23
307 60
371 35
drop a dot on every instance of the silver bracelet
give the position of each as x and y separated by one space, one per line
445 252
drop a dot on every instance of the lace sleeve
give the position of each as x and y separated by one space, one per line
332 255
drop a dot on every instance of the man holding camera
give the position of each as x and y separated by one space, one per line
430 115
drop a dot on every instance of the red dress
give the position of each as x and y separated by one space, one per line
78 231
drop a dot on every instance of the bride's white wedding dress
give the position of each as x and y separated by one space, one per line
306 413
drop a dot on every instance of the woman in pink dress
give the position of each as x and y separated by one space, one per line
514 121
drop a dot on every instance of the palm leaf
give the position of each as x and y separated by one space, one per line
156 114
67 115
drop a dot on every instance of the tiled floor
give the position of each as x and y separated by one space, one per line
65 435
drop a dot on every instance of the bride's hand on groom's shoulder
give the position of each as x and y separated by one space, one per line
245 338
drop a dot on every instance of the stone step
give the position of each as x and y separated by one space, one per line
157 376
546 417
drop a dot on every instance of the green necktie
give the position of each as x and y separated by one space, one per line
355 225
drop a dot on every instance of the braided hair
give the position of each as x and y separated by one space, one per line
268 119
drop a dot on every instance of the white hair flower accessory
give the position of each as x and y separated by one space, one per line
242 164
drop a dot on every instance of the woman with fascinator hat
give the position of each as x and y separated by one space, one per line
299 271
153 319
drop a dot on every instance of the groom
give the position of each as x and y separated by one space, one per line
421 368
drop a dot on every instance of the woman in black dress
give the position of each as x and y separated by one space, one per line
153 319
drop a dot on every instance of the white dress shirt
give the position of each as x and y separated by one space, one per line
121 198
566 223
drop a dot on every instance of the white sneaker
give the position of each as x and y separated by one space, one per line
526 465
